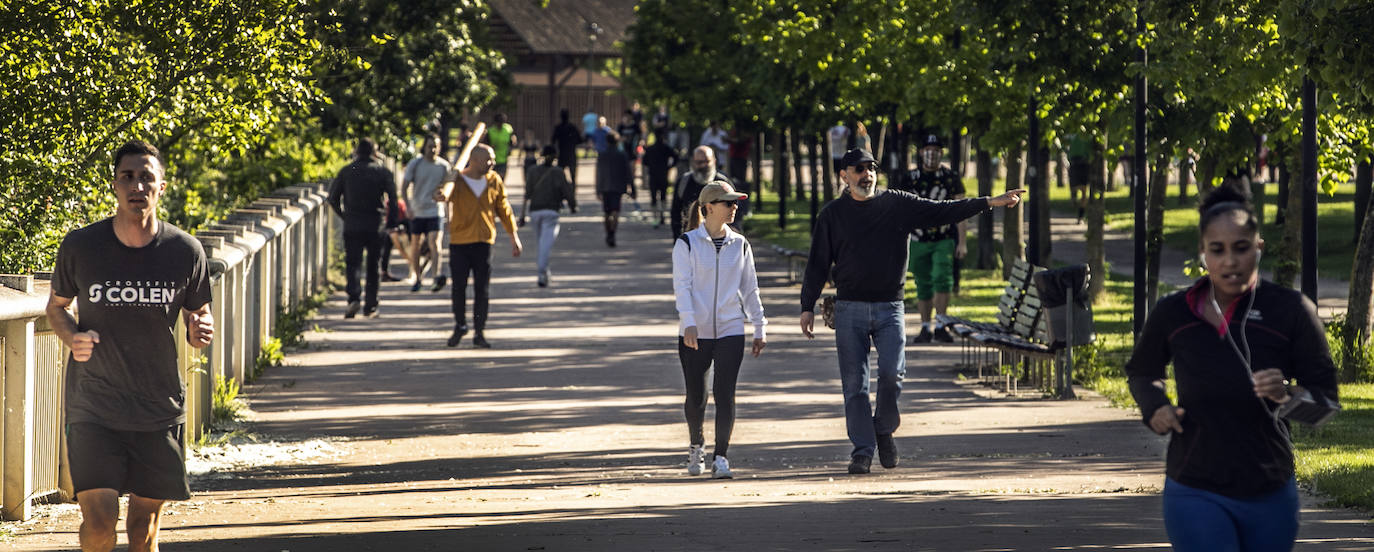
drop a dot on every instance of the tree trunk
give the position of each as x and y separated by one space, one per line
1358 319
814 150
1204 181
1012 246
1061 167
795 140
1286 265
780 175
987 256
1095 217
1043 215
1154 224
1364 174
1281 197
1185 177
757 200
827 168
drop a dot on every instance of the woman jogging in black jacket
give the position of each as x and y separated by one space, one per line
1235 343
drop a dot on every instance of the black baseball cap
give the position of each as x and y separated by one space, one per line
854 157
932 140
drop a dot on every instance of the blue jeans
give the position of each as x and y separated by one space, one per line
545 222
1199 520
859 325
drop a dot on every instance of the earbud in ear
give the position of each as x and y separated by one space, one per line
1259 253
1202 260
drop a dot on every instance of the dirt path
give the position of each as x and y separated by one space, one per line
569 436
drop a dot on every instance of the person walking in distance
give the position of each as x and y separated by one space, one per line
1234 342
717 291
566 138
717 140
703 172
546 190
658 160
501 137
932 251
423 176
861 238
132 276
476 198
613 179
364 195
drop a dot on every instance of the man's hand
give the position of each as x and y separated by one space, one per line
1167 418
516 247
961 250
439 196
521 222
200 328
689 337
1270 384
1009 199
83 344
808 322
758 346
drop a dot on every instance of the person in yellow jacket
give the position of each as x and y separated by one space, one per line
476 197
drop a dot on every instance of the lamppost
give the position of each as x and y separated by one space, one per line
593 32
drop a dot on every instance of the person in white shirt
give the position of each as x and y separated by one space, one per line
715 137
717 291
839 143
423 176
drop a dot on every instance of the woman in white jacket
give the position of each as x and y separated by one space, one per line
717 292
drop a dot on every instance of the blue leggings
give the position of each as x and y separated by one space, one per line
1199 520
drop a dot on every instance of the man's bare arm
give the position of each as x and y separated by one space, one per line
64 325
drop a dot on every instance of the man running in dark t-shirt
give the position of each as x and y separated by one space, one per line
132 277
566 137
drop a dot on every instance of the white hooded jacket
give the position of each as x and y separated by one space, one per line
714 289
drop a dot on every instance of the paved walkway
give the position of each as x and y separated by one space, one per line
569 436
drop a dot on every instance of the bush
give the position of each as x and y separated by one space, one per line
269 356
1356 360
226 406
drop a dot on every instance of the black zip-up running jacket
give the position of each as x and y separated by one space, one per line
1230 443
867 243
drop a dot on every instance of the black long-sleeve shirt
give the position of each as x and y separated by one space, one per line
866 241
364 194
1230 444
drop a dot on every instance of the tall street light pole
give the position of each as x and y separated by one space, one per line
593 32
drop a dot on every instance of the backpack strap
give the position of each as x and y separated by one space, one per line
683 237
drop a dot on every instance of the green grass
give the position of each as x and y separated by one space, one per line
1337 460
1336 232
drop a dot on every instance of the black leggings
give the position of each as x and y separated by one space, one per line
462 259
727 353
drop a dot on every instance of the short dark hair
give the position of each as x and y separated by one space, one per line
1222 200
138 147
500 117
365 149
563 114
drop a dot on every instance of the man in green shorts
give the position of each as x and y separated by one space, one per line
932 250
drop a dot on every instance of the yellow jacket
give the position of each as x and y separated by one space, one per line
472 219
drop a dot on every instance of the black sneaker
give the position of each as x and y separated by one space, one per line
887 451
860 464
353 307
923 337
439 283
457 337
416 286
942 335
479 342
610 240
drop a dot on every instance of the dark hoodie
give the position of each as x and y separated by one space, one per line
1230 444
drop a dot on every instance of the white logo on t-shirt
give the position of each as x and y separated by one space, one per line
140 293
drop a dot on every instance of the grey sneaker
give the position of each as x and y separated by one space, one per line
353 308
720 469
696 460
887 451
860 464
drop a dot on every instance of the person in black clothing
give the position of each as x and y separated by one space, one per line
566 137
658 159
932 252
613 179
863 236
1234 340
364 195
689 185
629 136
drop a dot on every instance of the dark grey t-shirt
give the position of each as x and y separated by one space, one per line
132 298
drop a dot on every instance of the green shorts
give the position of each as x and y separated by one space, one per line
932 266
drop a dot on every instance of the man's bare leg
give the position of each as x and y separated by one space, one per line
941 305
925 305
145 517
99 519
436 255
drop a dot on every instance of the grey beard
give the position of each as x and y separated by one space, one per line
703 176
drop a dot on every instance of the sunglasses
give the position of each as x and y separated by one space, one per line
865 167
730 202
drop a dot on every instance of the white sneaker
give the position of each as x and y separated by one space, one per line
720 469
696 460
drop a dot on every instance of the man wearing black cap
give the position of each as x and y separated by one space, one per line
863 236
932 251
